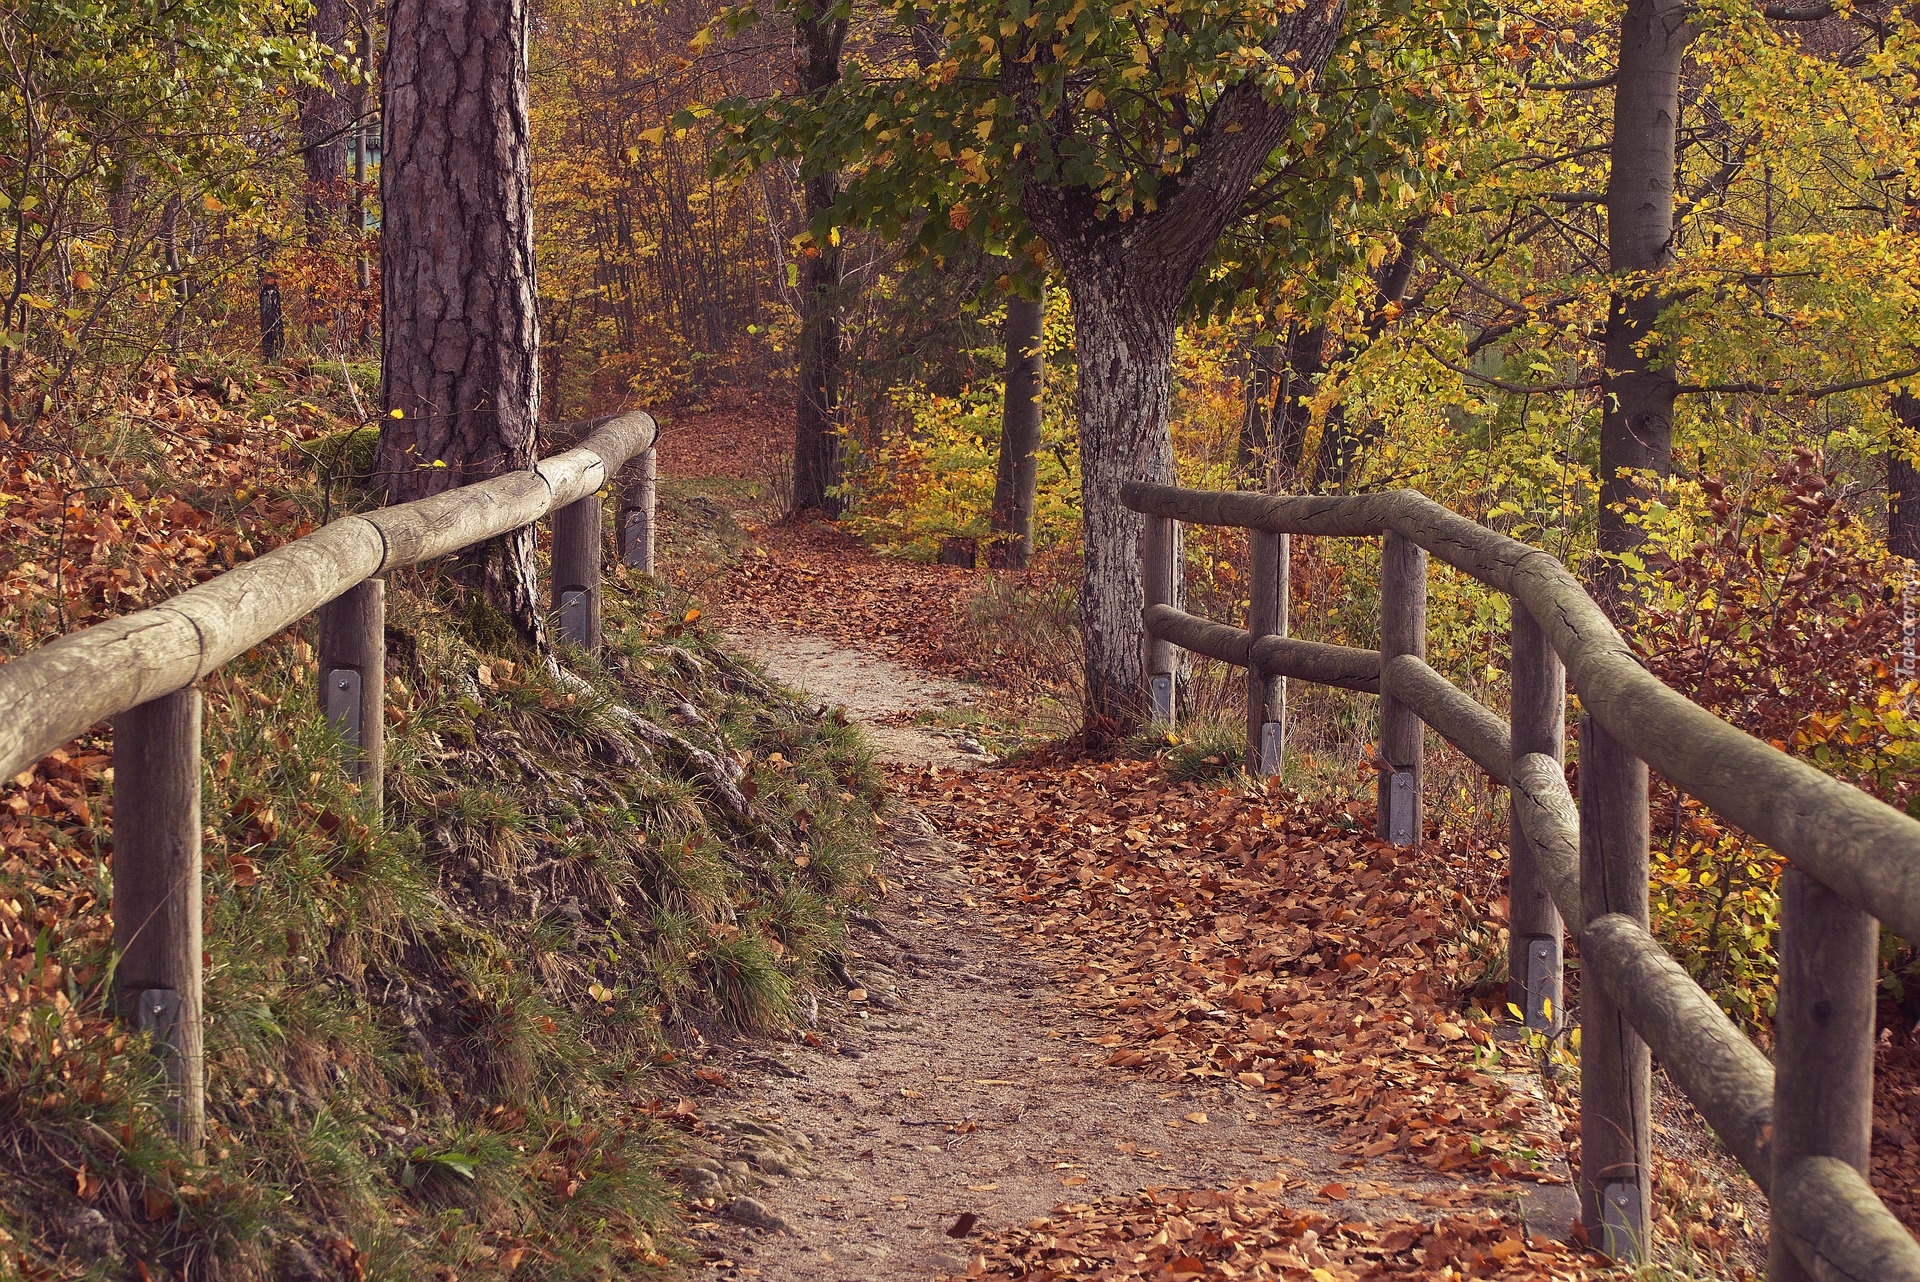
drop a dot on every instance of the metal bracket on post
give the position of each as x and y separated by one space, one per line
340 690
576 625
1403 795
1543 970
1162 688
1273 740
156 1012
1622 1236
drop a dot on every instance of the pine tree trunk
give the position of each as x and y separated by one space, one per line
816 434
1123 335
1638 388
460 339
324 115
1903 485
1017 475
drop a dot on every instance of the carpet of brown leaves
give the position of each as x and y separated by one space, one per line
804 574
1250 1233
90 533
1242 936
1229 933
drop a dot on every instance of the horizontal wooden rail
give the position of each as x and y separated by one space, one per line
1838 1227
140 670
1802 1132
1460 718
1331 665
1723 1073
1868 852
1537 790
58 691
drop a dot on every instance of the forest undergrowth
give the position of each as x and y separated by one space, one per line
1258 934
462 1040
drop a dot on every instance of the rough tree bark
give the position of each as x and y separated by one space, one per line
325 115
1128 280
1903 485
460 339
1638 386
1017 474
816 436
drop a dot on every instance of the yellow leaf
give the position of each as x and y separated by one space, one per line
1095 100
654 135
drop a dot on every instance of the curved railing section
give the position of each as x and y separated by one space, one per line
1801 1126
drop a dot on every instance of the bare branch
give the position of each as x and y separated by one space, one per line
1804 393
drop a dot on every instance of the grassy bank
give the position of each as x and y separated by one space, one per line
455 1039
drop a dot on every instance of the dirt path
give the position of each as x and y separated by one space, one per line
956 1089
881 695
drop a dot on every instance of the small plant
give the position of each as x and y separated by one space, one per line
1199 749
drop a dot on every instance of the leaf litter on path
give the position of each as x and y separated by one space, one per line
1236 937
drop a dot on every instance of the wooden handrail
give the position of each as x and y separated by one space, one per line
1802 1131
1864 849
56 692
140 670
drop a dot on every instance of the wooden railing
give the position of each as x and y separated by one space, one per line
140 669
1802 1125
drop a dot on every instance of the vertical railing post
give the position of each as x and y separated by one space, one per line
156 892
638 498
577 540
1539 724
353 675
1616 1141
1403 630
1159 576
1266 617
1823 1054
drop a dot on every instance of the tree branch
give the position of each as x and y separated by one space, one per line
1806 393
1520 389
1577 86
1793 13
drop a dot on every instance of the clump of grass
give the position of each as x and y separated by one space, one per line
1199 748
434 1032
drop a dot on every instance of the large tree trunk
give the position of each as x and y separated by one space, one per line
1018 474
1123 336
324 116
1128 279
1638 387
816 434
460 342
1903 484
